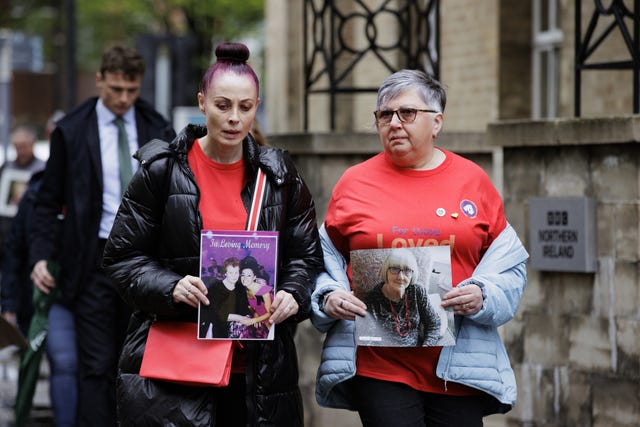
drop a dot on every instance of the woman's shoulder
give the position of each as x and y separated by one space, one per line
277 163
459 162
367 166
274 156
363 172
153 150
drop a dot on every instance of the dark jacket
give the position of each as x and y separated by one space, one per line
16 288
73 181
155 241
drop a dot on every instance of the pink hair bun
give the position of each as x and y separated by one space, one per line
232 52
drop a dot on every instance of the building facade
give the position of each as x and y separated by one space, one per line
543 95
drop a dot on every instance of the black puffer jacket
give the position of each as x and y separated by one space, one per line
155 242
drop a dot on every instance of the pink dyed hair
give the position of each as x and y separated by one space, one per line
229 57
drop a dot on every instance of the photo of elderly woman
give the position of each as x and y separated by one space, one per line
400 310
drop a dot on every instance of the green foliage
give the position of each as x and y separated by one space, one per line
102 23
33 17
106 22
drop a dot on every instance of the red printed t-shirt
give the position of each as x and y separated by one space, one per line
377 205
220 205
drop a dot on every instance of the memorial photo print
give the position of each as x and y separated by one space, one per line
403 288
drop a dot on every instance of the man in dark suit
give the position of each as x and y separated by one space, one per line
83 180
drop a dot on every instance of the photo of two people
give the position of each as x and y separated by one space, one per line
239 269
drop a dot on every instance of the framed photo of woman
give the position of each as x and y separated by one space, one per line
402 288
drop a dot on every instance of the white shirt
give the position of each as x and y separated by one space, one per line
108 131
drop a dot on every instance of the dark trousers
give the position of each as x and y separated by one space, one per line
385 403
101 321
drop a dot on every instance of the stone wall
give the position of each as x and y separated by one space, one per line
575 342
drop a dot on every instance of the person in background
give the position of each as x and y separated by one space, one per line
60 334
16 301
214 270
88 169
23 139
204 179
413 184
16 289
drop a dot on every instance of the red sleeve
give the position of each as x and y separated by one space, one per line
331 224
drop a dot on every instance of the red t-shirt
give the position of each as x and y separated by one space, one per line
220 185
220 205
377 205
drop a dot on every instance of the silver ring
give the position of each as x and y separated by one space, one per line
186 293
341 302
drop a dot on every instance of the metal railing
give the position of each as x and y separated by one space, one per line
619 18
331 52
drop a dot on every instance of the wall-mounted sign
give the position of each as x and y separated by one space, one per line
562 234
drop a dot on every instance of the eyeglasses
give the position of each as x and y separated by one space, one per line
406 115
396 270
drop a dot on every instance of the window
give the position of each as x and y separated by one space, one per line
547 38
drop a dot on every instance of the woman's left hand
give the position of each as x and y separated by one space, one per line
465 300
283 306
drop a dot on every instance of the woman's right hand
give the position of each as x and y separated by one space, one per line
190 290
341 304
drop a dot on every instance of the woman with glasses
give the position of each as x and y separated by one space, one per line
399 306
411 194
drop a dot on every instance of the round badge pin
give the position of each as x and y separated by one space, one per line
469 208
440 212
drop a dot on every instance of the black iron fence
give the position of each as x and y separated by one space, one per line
608 17
340 34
